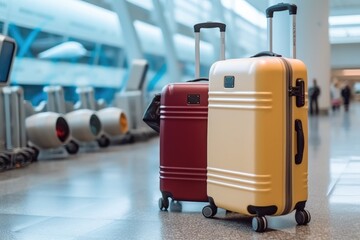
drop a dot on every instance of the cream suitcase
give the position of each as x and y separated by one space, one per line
257 132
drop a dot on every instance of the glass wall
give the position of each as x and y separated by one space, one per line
88 47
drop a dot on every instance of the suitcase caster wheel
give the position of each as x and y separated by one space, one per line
4 163
302 217
36 153
20 160
103 142
27 158
259 224
209 211
72 147
163 204
30 155
175 206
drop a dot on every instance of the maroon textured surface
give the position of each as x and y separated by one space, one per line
183 141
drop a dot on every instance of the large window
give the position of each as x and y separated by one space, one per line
33 42
112 56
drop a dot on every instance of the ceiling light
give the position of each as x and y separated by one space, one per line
344 20
344 32
247 11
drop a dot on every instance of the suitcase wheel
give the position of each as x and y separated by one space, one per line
35 154
209 211
72 147
31 154
27 157
302 217
175 206
20 160
4 163
103 142
259 224
163 204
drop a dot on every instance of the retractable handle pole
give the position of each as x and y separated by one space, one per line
197 28
292 8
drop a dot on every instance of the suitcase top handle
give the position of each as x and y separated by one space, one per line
281 7
198 26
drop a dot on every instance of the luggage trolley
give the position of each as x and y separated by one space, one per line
13 148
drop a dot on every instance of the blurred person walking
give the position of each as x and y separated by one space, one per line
314 93
335 96
346 94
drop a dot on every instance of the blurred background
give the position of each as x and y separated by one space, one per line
92 43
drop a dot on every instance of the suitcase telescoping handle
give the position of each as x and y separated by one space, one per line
292 8
197 28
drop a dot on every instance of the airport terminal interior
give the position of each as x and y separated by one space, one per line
77 161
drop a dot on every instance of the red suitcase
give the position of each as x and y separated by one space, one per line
183 134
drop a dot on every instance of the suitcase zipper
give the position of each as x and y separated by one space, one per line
288 174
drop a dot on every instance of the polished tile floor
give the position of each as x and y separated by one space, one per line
113 194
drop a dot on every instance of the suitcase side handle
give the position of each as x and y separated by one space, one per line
292 12
281 7
300 141
197 28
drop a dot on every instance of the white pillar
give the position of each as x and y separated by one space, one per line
133 46
173 70
313 46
